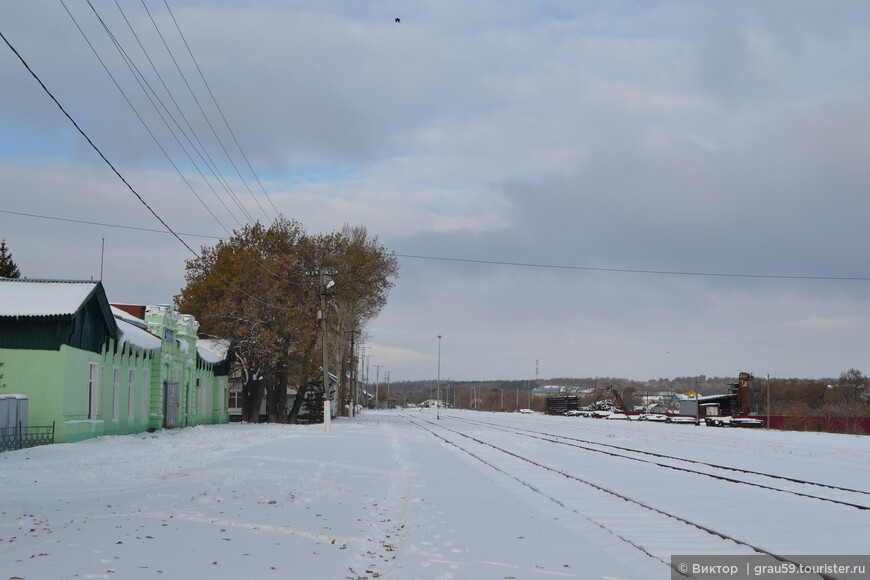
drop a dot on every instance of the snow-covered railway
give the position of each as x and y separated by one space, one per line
647 501
853 498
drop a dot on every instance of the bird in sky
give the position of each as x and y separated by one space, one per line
398 20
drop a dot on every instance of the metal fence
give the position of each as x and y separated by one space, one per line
22 437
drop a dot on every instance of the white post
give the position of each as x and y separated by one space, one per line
327 410
327 416
438 404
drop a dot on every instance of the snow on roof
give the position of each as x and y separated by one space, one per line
127 317
132 334
715 397
43 297
208 356
213 350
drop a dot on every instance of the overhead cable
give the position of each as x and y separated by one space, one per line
501 263
201 152
636 271
152 96
93 145
198 104
147 128
220 110
126 183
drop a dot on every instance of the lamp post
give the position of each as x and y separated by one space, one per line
352 394
438 402
361 377
387 381
327 407
377 386
367 369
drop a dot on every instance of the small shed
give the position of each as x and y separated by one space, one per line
13 411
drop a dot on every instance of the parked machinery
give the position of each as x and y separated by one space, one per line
616 396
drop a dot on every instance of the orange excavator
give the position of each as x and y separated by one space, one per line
616 396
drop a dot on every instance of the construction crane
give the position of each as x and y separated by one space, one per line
616 396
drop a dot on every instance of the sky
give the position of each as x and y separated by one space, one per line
633 189
377 497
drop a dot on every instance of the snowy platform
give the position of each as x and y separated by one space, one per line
404 495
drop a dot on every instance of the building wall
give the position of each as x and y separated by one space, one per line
56 383
38 374
57 386
178 362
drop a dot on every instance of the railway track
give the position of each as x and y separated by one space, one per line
651 529
857 499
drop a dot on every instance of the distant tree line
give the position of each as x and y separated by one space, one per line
846 396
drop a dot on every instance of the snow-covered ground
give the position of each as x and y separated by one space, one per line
405 495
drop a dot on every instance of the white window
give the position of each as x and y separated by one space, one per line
116 396
93 390
131 399
146 393
235 398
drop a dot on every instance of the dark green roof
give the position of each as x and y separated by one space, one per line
46 314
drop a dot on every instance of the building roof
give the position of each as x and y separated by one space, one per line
48 314
132 334
24 297
212 350
121 314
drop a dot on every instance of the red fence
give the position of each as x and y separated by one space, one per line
855 425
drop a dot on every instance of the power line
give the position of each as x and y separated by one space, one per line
89 223
502 263
94 146
636 271
148 129
220 110
201 152
121 177
254 260
198 104
143 83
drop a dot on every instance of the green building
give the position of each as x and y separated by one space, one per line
193 388
93 370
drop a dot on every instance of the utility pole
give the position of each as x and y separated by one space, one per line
387 376
377 386
361 375
327 407
352 393
438 403
368 369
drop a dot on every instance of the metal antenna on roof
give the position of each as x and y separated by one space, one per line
102 255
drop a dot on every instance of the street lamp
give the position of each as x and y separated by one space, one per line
438 402
327 407
353 395
377 386
387 380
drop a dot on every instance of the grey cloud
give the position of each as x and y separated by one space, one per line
715 137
